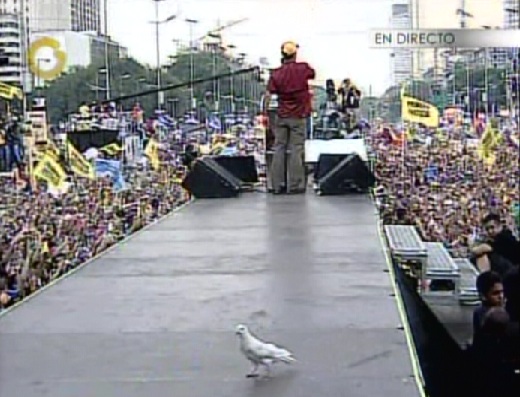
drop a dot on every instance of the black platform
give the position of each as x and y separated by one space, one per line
156 315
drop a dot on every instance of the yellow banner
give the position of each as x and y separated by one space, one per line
112 149
152 152
416 111
10 92
50 171
490 138
487 156
78 163
49 149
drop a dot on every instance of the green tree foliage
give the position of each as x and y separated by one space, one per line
368 107
128 77
246 88
476 77
319 98
65 94
419 89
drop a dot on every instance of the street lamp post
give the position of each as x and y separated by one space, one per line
173 102
231 47
125 76
244 81
214 45
98 88
39 61
157 22
107 63
191 23
158 52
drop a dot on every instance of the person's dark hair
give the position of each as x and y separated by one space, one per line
486 281
491 218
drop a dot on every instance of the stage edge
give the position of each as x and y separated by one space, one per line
416 368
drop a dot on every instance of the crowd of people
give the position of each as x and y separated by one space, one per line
442 186
44 236
439 182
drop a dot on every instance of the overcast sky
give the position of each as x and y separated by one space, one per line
333 34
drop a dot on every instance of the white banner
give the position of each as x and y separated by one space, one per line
132 148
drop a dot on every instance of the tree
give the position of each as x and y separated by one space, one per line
319 97
245 88
127 77
86 85
419 89
368 107
473 80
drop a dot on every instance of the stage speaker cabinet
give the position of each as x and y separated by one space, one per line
350 175
327 162
207 179
242 167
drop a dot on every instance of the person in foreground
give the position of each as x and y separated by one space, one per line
495 356
290 82
491 292
495 351
501 254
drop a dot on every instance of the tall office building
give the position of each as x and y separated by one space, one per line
401 58
14 39
511 14
445 14
66 15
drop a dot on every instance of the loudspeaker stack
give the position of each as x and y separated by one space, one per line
342 174
220 176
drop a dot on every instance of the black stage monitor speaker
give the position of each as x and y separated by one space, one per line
326 162
207 179
242 167
349 175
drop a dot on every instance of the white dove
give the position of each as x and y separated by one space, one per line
261 353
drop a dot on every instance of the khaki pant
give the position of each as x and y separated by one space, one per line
289 137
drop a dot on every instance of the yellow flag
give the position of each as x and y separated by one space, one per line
489 139
486 149
111 149
486 155
50 171
414 110
10 92
78 163
152 152
52 150
49 149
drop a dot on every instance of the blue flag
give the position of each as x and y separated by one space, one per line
431 173
111 168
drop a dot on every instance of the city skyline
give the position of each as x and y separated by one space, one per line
73 15
401 58
336 45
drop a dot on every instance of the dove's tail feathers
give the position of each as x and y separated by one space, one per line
287 359
285 356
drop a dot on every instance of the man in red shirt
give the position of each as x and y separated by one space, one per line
290 82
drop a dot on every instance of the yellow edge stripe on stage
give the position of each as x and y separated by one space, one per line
95 257
416 368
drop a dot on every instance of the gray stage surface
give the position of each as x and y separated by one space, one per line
156 316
